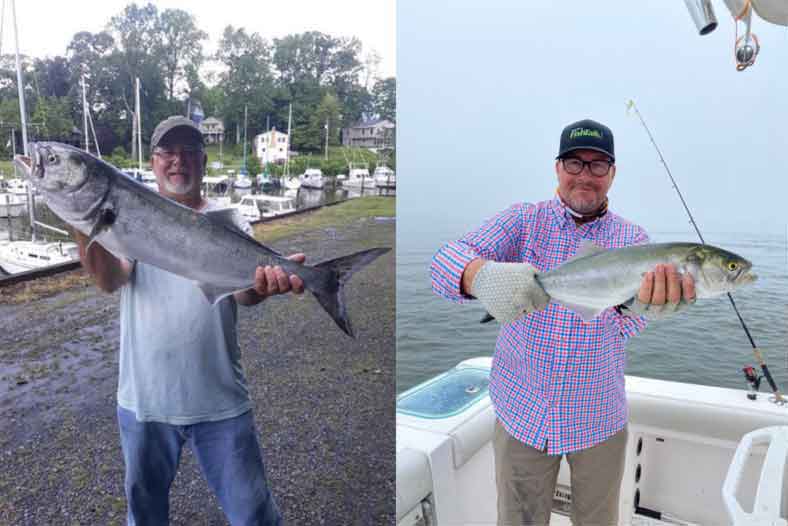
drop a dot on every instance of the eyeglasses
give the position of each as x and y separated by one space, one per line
168 155
598 168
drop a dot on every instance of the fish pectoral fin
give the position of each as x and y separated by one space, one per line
105 221
586 313
213 293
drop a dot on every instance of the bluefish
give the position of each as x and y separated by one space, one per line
133 221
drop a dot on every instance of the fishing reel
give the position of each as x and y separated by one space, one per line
753 381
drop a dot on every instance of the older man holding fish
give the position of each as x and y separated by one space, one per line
557 381
182 267
181 379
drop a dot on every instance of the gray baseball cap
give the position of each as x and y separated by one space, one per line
171 123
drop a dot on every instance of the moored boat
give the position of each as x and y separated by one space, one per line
312 178
22 256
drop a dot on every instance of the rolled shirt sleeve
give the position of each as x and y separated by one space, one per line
498 239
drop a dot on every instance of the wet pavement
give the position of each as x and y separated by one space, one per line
323 403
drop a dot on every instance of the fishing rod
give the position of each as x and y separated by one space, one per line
778 397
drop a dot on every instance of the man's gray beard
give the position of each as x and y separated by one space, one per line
584 207
178 189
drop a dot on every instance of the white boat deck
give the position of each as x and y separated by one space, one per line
682 438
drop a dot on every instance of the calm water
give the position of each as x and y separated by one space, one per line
704 345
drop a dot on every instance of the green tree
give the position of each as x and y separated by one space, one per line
179 47
309 63
52 76
384 94
54 114
136 32
327 111
247 80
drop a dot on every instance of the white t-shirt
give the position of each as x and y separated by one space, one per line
179 354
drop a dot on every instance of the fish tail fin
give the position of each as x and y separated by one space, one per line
331 294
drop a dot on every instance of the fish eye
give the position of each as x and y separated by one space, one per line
732 266
52 158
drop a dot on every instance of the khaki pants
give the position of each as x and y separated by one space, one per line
525 478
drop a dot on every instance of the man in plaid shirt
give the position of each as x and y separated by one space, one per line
557 383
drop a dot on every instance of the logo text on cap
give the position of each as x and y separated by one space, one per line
584 132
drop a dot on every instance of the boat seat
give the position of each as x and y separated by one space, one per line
770 493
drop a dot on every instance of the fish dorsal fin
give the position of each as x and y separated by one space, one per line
225 216
228 217
586 248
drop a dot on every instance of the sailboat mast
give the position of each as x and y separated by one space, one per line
139 122
23 117
19 85
287 149
326 157
245 120
85 114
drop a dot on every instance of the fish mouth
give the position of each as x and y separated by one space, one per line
37 166
25 164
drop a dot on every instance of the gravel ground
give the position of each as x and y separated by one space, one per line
323 403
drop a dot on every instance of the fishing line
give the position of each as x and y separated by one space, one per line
778 398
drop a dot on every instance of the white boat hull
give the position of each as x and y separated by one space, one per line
386 182
366 182
22 256
682 438
292 183
242 182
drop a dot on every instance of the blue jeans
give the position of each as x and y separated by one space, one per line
229 457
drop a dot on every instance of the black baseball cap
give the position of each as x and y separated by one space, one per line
171 123
586 135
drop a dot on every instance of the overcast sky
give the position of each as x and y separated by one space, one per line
46 26
486 87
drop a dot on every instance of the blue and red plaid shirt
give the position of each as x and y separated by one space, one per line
556 381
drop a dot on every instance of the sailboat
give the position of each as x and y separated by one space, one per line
290 182
243 182
21 256
146 177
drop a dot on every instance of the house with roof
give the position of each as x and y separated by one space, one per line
271 146
374 134
212 130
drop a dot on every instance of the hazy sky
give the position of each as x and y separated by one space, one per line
46 26
484 89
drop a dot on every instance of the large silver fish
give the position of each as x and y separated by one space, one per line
597 278
130 220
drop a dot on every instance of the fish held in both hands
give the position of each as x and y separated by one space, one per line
133 221
597 278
